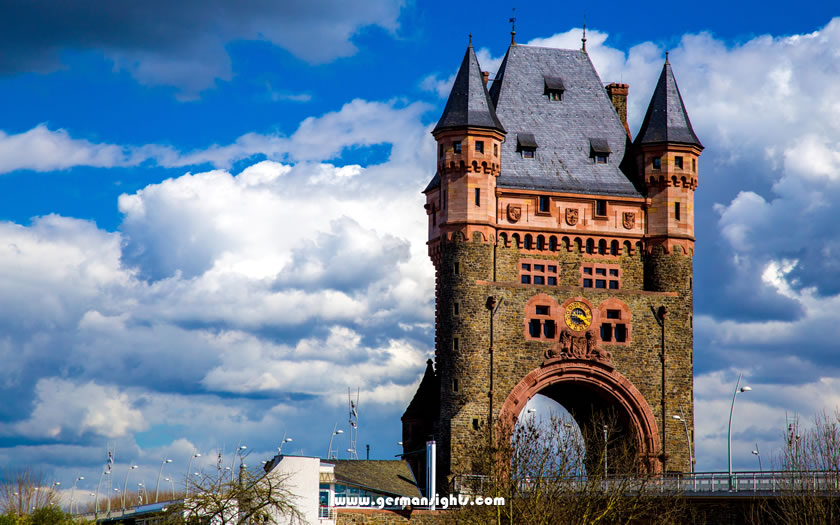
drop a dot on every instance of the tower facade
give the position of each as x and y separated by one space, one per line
562 254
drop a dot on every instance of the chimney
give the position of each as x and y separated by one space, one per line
618 96
485 76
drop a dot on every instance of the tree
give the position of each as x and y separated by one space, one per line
24 491
809 487
253 497
547 474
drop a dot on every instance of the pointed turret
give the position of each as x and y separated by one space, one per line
666 119
419 420
667 153
469 103
462 194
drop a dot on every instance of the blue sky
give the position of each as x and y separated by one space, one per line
211 225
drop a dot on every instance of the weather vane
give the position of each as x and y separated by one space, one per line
513 27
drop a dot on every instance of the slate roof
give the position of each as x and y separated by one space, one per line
434 183
424 405
562 129
469 103
388 476
666 119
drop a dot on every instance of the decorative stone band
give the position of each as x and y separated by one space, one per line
593 374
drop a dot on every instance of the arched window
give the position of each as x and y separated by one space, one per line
529 242
590 246
602 247
552 243
515 239
614 248
627 247
540 242
503 239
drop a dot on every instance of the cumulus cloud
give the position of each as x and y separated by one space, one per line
359 123
183 44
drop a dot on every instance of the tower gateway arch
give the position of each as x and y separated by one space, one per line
563 250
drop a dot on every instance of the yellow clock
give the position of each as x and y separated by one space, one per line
578 316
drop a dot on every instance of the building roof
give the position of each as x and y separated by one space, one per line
434 183
666 119
469 103
388 476
424 405
561 128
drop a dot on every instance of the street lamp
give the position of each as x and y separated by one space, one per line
285 440
729 434
687 440
125 485
140 489
189 468
335 432
757 452
157 485
172 486
73 492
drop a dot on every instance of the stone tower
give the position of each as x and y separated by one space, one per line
562 253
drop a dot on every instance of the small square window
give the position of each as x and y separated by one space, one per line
600 207
456 146
613 285
543 203
552 281
526 266
613 314
539 267
527 153
600 271
552 269
600 283
539 279
657 163
475 423
614 272
555 95
526 279
587 271
678 162
479 146
542 310
600 159
587 283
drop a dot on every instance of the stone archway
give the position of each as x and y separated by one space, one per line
559 377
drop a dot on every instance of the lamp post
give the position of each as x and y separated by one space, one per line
606 472
125 485
757 452
172 486
157 485
492 306
329 448
729 433
687 440
140 489
289 440
189 468
73 491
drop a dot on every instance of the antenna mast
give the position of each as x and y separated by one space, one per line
354 422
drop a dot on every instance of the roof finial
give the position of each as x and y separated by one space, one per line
513 28
583 40
666 58
470 39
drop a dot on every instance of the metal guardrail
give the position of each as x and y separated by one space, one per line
697 483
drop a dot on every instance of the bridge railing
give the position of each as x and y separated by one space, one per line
692 483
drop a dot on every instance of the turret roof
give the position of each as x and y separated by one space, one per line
469 103
425 402
666 119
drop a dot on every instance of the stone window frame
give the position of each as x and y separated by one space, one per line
479 146
656 163
554 316
599 203
538 200
625 318
546 274
678 162
612 274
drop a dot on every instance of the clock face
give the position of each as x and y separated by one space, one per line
578 316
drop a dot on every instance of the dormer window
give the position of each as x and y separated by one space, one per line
526 144
554 88
599 150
